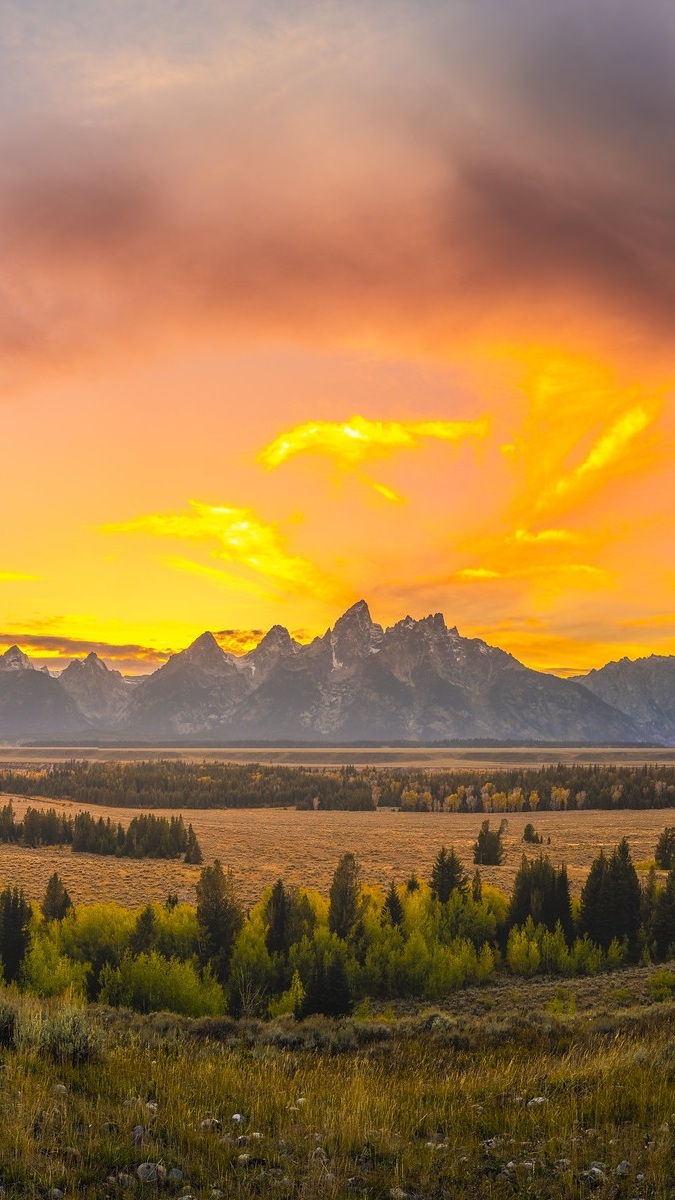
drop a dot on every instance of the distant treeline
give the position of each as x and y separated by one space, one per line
170 784
146 836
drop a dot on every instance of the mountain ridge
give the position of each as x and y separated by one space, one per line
415 681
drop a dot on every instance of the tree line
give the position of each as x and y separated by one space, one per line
146 836
298 952
175 784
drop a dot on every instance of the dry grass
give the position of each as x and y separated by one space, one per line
261 845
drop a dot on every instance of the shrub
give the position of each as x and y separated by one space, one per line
662 985
69 1037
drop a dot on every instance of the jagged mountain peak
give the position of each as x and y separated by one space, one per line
277 637
14 659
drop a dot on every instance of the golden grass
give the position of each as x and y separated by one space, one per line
261 845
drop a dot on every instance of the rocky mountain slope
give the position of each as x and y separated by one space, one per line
643 689
417 681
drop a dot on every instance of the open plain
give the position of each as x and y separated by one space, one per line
262 845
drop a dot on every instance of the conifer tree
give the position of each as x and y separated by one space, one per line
664 918
15 914
278 913
447 875
144 935
219 917
343 909
56 902
193 851
392 908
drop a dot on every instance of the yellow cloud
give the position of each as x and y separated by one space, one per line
545 537
15 577
609 448
238 537
575 572
357 439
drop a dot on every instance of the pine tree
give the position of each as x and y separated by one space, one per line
477 887
15 914
664 918
219 917
144 935
488 848
343 909
193 851
56 902
276 938
447 875
392 908
626 897
595 916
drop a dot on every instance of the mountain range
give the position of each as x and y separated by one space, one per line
416 681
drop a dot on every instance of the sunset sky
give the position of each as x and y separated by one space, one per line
302 303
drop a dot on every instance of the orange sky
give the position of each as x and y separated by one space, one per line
316 303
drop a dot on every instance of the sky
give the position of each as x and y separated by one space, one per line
303 303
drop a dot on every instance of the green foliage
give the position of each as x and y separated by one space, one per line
15 914
219 916
662 985
611 900
56 901
343 910
488 848
392 909
541 892
531 836
664 854
663 922
67 1036
152 983
447 875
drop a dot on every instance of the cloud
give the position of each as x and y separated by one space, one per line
467 172
608 450
55 646
15 577
351 442
235 535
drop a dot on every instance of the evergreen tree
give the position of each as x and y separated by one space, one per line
56 902
626 897
664 854
488 848
144 935
392 908
595 915
15 914
276 938
542 893
447 875
664 918
477 887
412 884
193 851
343 909
219 917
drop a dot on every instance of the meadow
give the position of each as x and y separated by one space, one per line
263 845
514 1095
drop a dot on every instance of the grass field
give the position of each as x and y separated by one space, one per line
504 1101
261 845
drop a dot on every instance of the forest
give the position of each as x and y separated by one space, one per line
172 784
297 952
146 836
